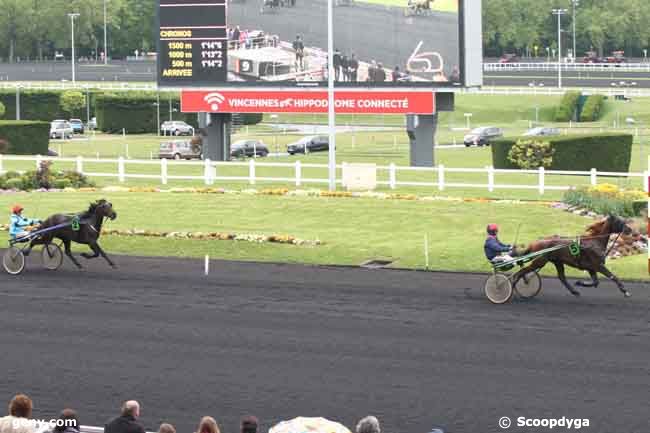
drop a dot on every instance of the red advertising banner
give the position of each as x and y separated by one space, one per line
300 101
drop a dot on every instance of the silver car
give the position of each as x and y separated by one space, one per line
61 129
541 131
176 127
180 149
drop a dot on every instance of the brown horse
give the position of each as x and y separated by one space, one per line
589 257
83 228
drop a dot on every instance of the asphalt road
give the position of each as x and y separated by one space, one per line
571 79
416 349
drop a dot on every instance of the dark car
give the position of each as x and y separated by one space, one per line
244 148
482 136
312 143
77 126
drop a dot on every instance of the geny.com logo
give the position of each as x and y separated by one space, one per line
37 424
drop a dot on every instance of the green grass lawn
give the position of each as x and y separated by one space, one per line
353 230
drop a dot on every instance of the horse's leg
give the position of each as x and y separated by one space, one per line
32 244
68 252
535 265
559 266
606 272
99 251
593 283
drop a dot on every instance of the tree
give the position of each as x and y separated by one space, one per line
72 101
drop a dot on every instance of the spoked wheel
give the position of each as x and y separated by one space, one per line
14 260
498 289
52 257
529 285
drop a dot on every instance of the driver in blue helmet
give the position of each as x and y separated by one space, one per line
495 250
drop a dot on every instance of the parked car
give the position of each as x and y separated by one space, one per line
244 148
176 127
180 149
592 57
509 58
313 143
92 124
541 131
77 126
60 129
482 136
617 57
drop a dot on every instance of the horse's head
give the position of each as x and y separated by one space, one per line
616 224
103 209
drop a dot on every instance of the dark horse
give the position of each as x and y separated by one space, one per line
83 228
589 257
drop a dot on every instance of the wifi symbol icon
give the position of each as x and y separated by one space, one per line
214 99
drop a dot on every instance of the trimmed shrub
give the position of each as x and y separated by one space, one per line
604 152
531 154
34 104
136 112
24 137
592 109
567 108
44 178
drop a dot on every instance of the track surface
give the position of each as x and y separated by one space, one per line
416 349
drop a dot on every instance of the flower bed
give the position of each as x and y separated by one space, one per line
607 199
43 179
213 236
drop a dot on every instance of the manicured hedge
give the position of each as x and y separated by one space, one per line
34 104
567 108
592 109
25 137
604 152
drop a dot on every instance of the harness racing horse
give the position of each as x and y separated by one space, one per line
588 254
83 228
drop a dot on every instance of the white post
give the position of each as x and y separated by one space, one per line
60 150
426 251
80 165
298 173
392 175
206 265
490 171
120 169
1 168
163 171
441 177
646 181
207 172
251 172
38 162
331 117
541 180
593 174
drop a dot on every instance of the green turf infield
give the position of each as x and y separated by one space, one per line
352 230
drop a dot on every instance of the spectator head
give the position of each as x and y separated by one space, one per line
249 424
297 37
208 425
131 408
166 428
369 424
20 406
67 418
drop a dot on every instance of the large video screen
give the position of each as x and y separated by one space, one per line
383 43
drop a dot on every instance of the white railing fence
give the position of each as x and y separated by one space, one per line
208 172
567 66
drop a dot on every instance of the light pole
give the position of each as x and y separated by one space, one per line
105 38
559 13
467 117
331 116
72 17
575 4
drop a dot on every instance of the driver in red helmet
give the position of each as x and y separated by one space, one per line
19 223
495 250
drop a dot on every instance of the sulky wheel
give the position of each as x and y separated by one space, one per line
529 285
52 257
498 289
14 260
